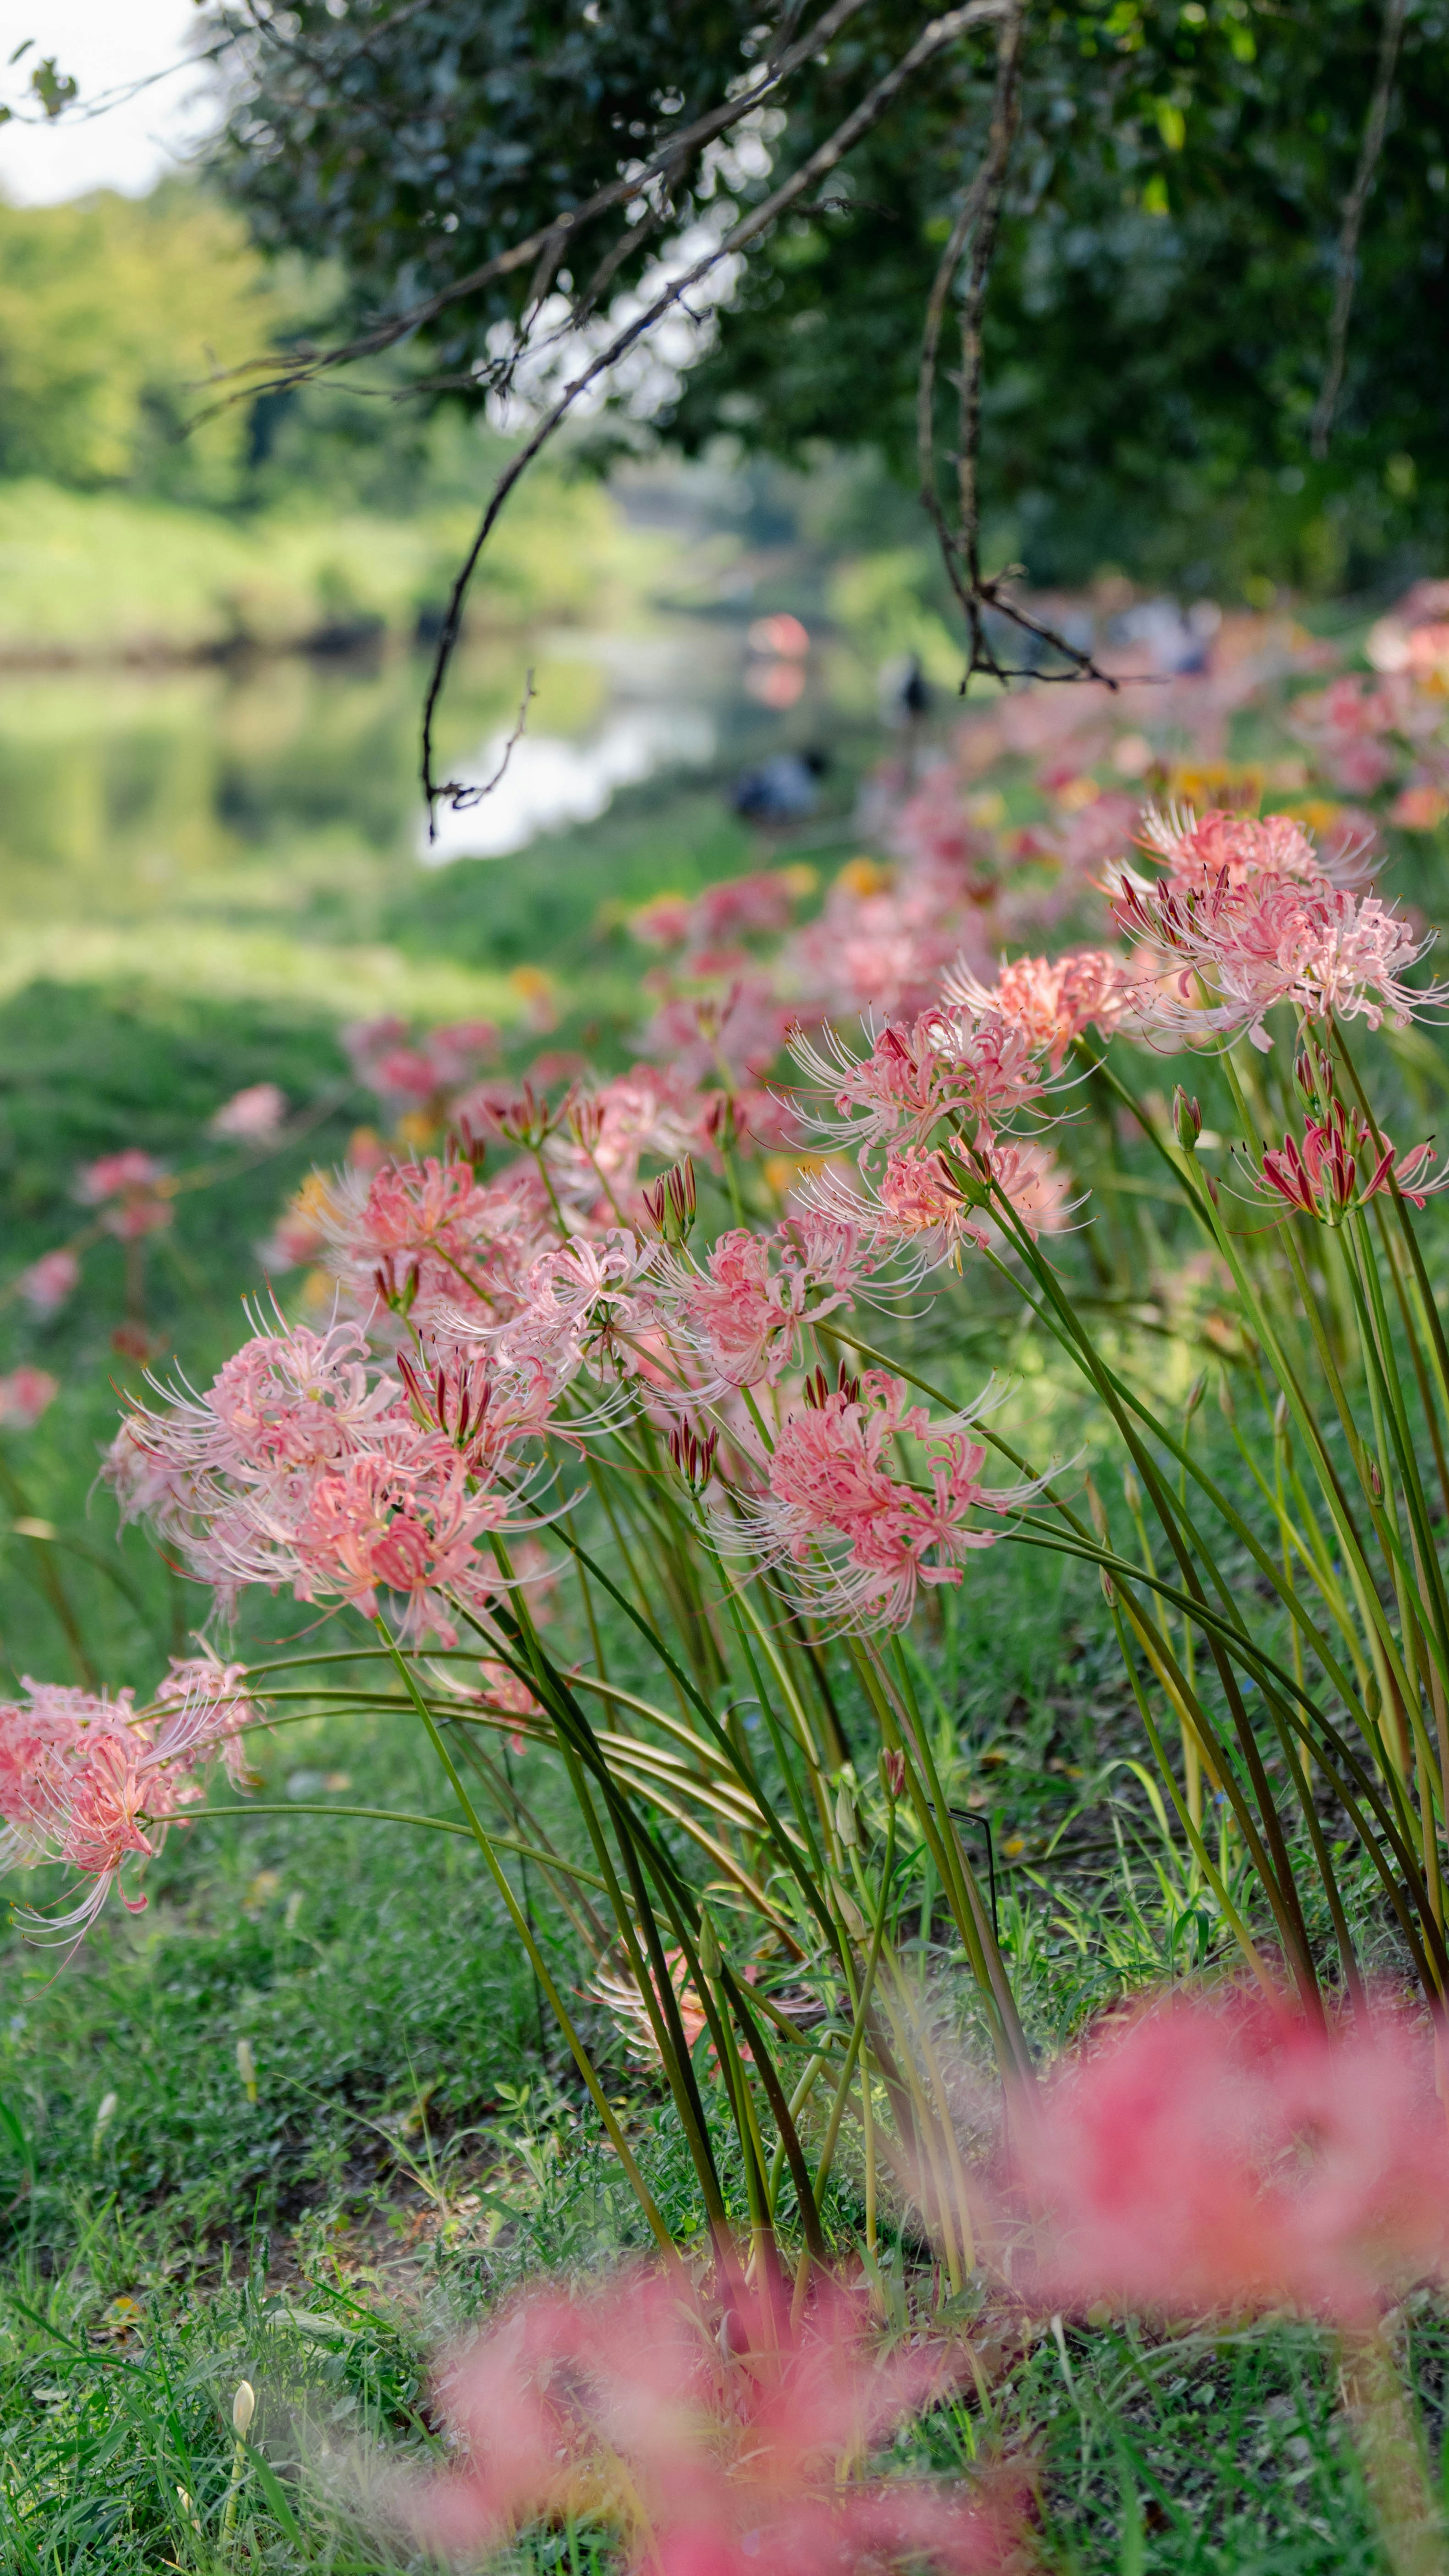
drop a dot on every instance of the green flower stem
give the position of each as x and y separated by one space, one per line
394 1816
1189 1823
577 2050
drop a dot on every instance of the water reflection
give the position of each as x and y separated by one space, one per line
258 828
547 782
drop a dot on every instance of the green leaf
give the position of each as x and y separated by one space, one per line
276 2495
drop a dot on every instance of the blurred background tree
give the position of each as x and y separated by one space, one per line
1158 326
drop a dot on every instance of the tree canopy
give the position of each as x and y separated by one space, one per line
1159 317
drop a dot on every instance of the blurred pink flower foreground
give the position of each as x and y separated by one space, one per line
1228 2156
721 2446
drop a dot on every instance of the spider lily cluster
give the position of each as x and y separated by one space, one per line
618 1441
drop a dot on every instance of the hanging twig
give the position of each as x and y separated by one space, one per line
867 113
978 222
459 794
1353 214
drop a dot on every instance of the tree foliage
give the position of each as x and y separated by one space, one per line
1159 316
112 312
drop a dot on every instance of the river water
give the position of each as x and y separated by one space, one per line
245 827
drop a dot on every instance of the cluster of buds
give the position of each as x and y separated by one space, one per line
528 1121
1329 1174
669 1203
461 1145
693 1454
817 1389
397 1285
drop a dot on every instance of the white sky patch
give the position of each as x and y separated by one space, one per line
106 45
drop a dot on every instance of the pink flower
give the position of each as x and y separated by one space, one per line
583 1301
1419 808
253 1116
1330 1172
48 1282
365 1041
863 1538
81 1775
745 1314
1053 1000
24 1395
594 1160
724 1038
307 1464
406 1526
940 1066
403 1073
456 1051
132 1191
1237 846
432 1236
722 2445
207 1700
662 923
939 1197
761 902
1243 947
1226 2155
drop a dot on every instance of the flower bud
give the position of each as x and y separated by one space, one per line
1195 1394
1131 1496
670 1203
1375 1481
1186 1120
846 1823
1225 1399
243 2408
849 1913
104 2116
710 1960
246 2067
1280 1418
1098 1510
892 1773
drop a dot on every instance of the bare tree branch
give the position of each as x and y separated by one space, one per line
266 377
932 40
978 222
460 795
1353 214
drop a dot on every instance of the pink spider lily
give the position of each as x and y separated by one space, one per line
252 1117
1241 948
306 1463
594 1163
24 1395
1055 1000
1226 2155
744 1311
719 2444
582 1302
132 1191
431 1236
861 1539
82 1777
1238 846
1329 1174
937 1198
941 1065
48 1282
406 1527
